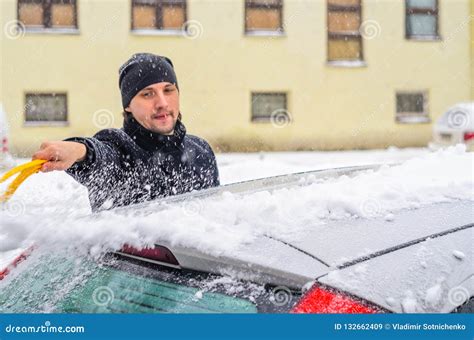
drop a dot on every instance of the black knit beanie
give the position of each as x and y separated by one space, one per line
141 70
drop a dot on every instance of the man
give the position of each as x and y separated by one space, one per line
151 156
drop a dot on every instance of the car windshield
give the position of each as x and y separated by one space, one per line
114 285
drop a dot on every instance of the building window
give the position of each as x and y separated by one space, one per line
263 16
269 106
421 19
344 38
51 14
158 14
412 107
46 108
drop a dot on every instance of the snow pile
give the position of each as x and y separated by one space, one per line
221 224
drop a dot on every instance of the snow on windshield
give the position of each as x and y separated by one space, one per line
57 215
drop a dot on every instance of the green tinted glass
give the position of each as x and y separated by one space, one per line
116 291
84 287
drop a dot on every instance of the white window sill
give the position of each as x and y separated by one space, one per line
157 32
414 118
428 38
265 34
261 119
347 63
71 31
45 124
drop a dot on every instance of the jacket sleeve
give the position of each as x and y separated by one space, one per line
102 165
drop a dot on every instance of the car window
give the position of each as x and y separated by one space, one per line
114 290
53 284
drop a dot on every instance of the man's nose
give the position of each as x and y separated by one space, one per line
160 100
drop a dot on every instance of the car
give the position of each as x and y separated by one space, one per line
419 262
455 126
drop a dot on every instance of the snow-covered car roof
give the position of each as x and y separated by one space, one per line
432 276
434 239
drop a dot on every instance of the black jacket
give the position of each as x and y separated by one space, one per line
133 164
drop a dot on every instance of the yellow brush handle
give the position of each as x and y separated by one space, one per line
22 167
27 172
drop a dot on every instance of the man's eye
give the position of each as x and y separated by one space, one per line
169 89
147 94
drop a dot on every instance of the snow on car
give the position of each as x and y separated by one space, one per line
360 239
455 126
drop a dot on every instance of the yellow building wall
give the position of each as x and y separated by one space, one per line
472 50
331 107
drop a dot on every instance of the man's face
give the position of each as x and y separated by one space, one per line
156 107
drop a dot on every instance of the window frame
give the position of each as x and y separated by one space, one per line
422 10
159 20
341 35
264 32
64 122
254 119
413 117
46 26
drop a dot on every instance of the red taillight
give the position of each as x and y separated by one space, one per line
468 136
322 300
157 254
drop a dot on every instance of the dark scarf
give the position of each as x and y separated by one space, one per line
152 141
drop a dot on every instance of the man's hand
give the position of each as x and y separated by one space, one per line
60 155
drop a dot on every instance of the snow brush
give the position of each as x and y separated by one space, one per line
25 170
